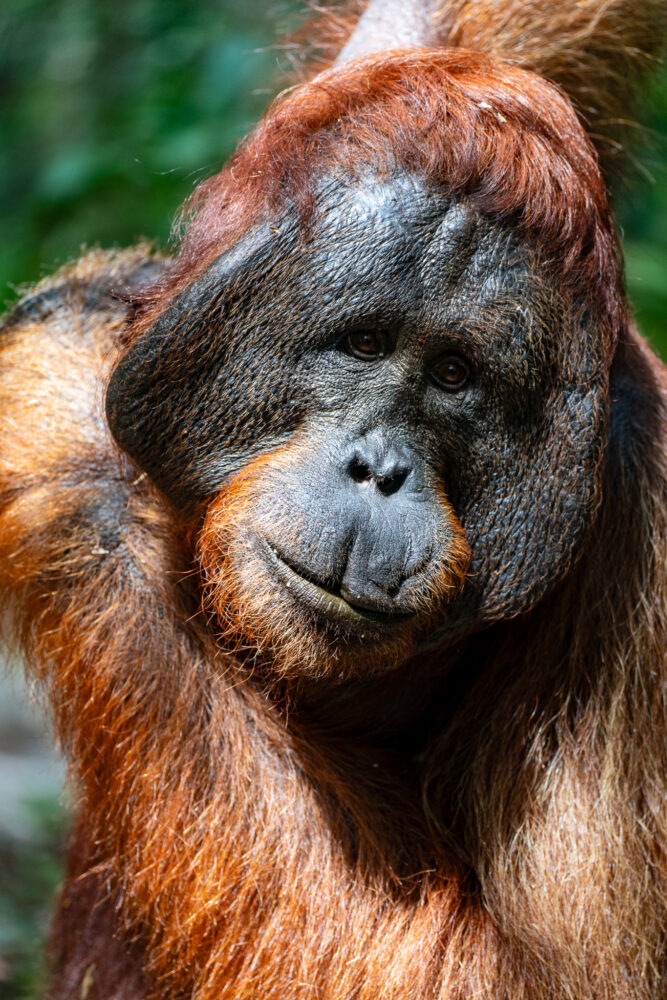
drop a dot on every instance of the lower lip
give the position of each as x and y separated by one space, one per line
322 601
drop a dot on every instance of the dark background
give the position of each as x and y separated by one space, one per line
110 112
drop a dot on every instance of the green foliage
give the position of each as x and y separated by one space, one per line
642 213
30 871
110 113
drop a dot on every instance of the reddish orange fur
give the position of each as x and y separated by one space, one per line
245 852
596 51
234 846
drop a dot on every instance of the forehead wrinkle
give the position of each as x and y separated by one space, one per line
475 276
369 194
451 244
366 237
466 249
494 312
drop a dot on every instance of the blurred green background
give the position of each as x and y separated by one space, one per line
110 112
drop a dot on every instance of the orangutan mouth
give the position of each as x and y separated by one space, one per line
324 602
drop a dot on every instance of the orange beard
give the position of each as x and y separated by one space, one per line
258 614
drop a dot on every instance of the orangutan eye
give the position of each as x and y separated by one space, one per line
451 372
367 345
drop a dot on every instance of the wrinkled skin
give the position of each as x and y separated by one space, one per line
385 476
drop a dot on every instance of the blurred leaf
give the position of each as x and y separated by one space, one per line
30 872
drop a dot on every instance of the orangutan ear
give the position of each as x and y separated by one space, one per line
636 422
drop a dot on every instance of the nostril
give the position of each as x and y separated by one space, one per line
391 483
360 472
388 482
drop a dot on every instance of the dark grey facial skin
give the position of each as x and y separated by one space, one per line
255 355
